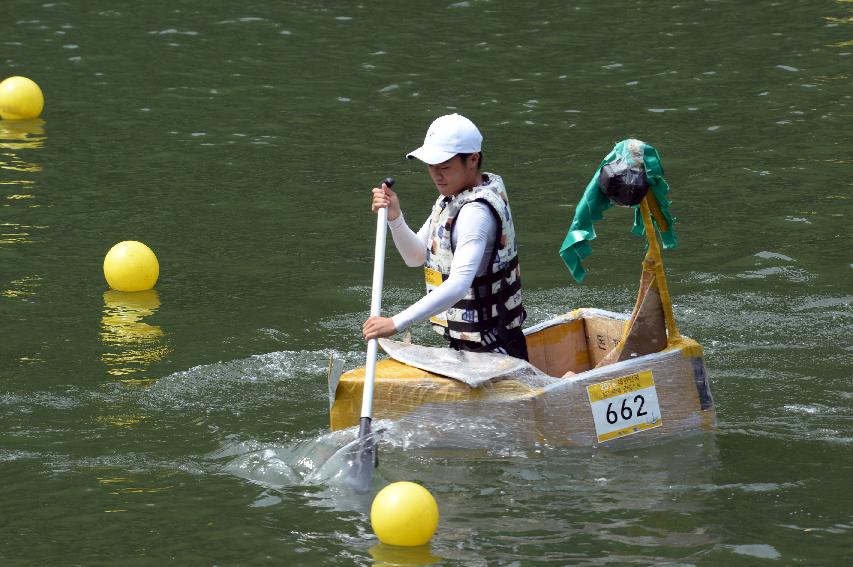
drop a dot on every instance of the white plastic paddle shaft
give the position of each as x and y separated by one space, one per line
375 308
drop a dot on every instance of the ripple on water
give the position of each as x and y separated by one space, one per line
767 255
759 550
224 383
563 499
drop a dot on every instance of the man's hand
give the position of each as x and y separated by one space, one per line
378 327
384 197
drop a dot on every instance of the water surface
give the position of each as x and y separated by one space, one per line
240 142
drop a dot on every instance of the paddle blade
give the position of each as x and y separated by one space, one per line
358 471
361 460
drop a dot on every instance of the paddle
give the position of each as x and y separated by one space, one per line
363 459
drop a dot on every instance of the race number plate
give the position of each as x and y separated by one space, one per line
624 405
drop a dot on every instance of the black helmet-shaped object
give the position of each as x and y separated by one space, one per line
622 184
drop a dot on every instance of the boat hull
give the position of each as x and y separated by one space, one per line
670 388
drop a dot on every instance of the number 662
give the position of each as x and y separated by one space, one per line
626 411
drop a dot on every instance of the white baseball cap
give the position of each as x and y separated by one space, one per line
447 136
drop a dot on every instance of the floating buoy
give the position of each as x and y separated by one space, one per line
404 514
20 99
131 266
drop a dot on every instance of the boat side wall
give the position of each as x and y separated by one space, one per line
401 389
564 410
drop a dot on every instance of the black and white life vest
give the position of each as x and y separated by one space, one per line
492 306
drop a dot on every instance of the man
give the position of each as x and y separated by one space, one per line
467 247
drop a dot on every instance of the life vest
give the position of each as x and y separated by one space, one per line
492 306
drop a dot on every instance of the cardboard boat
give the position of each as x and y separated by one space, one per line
594 377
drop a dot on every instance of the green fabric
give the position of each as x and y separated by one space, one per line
590 209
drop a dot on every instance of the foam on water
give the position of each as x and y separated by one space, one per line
245 382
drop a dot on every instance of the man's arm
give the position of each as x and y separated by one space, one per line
412 247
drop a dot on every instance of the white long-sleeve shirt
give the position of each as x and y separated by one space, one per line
473 240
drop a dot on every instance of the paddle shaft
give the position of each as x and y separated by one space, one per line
375 308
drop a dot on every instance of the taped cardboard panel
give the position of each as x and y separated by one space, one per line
602 335
566 411
400 389
532 408
558 349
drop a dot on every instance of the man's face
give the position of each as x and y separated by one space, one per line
455 175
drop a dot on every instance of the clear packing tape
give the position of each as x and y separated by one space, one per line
523 404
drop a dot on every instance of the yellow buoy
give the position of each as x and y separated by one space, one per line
20 99
405 514
131 266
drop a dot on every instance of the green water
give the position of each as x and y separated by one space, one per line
240 141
